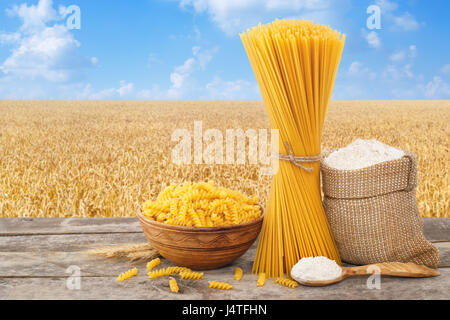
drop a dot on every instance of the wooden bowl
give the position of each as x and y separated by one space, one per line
201 248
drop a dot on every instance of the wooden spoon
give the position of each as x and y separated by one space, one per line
395 269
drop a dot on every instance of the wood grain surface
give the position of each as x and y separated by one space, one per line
35 255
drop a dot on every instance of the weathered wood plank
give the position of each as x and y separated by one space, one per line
143 288
444 253
68 243
437 228
434 228
56 263
12 226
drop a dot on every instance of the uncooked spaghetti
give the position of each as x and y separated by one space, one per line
295 63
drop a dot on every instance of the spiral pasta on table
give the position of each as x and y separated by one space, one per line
261 279
173 285
128 274
200 205
159 273
191 275
238 274
178 270
220 285
152 264
287 282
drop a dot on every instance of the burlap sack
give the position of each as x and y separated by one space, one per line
373 213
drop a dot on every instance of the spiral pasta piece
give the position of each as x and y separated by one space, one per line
128 274
287 283
191 275
158 273
261 279
195 218
178 269
220 285
152 264
173 285
238 273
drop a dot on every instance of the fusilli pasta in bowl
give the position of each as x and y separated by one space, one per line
207 234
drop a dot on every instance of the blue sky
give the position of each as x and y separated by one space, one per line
190 49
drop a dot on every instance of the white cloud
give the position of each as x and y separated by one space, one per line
153 60
219 89
154 93
125 88
396 73
357 69
181 76
412 51
445 69
386 6
42 48
407 71
194 35
184 84
123 91
101 95
437 88
48 54
373 39
233 16
401 67
406 22
35 16
204 56
397 56
401 55
9 38
391 72
403 22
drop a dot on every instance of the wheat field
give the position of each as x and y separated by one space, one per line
103 159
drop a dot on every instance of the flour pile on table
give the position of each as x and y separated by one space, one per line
316 268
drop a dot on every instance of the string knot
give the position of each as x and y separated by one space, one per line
297 161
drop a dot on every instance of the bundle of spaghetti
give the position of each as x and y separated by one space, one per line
295 63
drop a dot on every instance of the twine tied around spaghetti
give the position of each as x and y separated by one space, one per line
297 161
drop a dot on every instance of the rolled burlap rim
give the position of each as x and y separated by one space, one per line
379 179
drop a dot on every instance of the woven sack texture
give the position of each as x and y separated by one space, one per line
373 213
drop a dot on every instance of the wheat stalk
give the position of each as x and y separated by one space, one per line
135 253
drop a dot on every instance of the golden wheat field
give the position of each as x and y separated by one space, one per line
103 159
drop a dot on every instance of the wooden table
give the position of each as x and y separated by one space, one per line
35 255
